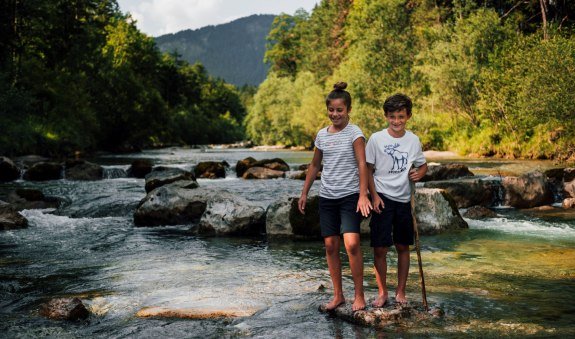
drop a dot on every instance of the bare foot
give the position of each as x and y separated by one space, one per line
400 298
334 303
358 304
380 301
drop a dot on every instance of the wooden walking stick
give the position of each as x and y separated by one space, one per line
421 278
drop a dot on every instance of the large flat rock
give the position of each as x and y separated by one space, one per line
194 313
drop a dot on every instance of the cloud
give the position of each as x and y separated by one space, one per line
157 17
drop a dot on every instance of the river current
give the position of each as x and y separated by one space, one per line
513 275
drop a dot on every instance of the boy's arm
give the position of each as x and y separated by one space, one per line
363 204
376 200
312 170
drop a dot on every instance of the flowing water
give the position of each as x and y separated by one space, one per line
513 275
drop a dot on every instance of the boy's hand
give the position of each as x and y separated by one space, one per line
301 203
363 205
415 174
378 204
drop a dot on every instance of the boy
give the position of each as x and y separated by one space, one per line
390 155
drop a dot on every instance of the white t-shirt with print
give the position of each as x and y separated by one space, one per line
340 175
392 159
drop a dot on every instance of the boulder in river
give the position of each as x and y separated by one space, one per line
180 202
262 173
527 191
283 218
568 203
479 212
163 175
83 170
469 192
10 219
436 211
43 171
139 168
569 189
228 214
446 172
243 165
8 170
30 198
211 169
64 309
275 164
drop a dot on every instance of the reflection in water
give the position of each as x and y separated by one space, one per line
502 277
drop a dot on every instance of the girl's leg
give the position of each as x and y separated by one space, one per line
334 266
353 248
402 272
380 263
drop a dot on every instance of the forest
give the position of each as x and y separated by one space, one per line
78 76
487 77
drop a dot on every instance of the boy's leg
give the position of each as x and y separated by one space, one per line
380 263
402 272
353 248
334 266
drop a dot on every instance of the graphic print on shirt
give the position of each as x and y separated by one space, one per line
399 158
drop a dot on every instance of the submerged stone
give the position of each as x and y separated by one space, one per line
64 309
194 313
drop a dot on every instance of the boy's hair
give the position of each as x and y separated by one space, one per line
396 103
339 92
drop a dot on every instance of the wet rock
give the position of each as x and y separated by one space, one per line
177 203
194 313
10 219
43 171
527 191
479 212
301 175
139 168
162 176
392 314
284 219
8 170
446 172
29 160
243 165
210 170
228 214
83 170
262 173
29 198
469 192
568 203
569 189
64 309
436 211
275 164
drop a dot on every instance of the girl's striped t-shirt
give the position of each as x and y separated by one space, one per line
340 175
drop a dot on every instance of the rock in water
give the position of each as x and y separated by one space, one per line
64 309
479 212
193 313
391 314
527 191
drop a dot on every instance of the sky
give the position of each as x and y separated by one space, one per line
158 17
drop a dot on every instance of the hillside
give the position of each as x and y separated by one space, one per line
232 51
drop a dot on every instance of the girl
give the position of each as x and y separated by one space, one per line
343 192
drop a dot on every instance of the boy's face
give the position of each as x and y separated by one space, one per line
338 112
397 121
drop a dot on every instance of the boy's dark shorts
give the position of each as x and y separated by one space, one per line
394 225
338 216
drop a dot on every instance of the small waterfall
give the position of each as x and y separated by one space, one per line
114 172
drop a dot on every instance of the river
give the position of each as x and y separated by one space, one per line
513 275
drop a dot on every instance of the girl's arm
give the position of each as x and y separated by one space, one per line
312 170
363 204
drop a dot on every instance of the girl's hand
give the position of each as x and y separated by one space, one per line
363 205
301 203
378 204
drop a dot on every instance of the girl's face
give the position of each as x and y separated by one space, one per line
338 113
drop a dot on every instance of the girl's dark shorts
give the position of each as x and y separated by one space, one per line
394 225
338 216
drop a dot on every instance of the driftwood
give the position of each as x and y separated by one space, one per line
391 314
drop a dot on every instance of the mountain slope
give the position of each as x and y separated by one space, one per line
232 51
